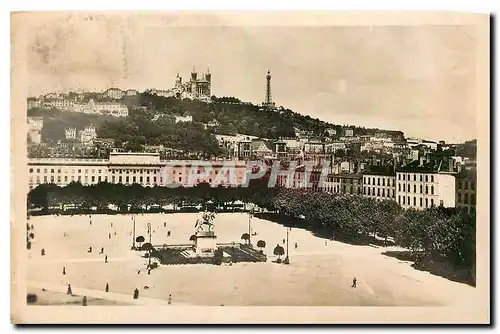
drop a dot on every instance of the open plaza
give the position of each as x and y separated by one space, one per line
320 272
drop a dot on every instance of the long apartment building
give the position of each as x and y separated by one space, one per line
380 185
343 184
145 169
414 186
424 186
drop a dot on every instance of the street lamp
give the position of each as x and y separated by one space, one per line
133 232
151 245
287 259
250 215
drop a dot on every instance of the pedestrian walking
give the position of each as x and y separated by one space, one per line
354 280
84 301
326 243
296 245
111 224
42 252
168 233
107 287
136 293
164 224
283 241
106 259
109 235
69 291
64 270
169 299
102 250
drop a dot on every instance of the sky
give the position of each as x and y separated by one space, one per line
417 79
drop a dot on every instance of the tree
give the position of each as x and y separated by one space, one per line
261 244
279 251
245 237
140 239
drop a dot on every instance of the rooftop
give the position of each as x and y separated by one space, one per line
429 167
381 171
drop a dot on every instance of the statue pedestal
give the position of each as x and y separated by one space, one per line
205 243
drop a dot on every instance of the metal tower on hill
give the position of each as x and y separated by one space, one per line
268 103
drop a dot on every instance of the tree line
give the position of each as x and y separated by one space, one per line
432 232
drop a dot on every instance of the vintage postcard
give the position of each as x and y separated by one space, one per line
236 167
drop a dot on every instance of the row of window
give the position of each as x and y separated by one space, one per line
132 171
371 192
407 177
92 171
66 171
345 190
92 179
407 201
344 180
367 181
408 188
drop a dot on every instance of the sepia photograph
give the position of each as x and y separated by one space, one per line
286 167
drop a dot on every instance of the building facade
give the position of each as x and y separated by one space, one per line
103 108
466 190
351 184
35 126
145 169
420 189
379 186
183 119
88 134
114 93
33 103
131 92
70 133
348 132
299 177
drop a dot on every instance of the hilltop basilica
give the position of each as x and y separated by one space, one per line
197 88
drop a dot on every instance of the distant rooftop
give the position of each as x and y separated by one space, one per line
380 171
415 167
